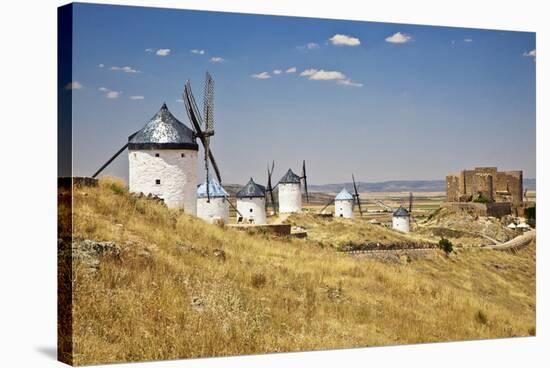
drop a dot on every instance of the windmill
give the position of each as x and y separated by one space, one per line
270 187
356 195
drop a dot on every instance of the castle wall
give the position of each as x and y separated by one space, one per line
452 184
177 175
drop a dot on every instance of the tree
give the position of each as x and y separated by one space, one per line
446 246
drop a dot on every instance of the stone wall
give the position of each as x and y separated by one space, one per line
482 209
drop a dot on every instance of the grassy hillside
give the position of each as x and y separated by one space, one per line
181 288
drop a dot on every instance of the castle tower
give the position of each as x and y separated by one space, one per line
401 220
290 193
251 204
214 205
163 161
343 204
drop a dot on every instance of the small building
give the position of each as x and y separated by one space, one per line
290 193
163 161
212 202
401 220
343 204
251 204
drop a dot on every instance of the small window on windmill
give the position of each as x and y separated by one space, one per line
183 155
251 210
157 181
157 155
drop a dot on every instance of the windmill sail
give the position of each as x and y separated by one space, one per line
357 199
304 177
197 122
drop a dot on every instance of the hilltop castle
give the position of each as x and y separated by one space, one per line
487 183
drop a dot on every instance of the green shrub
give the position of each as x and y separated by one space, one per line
530 215
117 189
445 245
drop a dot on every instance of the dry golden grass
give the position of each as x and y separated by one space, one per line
171 295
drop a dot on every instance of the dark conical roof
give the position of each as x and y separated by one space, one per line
290 178
163 131
401 212
251 189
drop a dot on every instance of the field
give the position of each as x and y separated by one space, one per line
171 286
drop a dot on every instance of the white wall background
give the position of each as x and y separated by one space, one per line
290 198
28 272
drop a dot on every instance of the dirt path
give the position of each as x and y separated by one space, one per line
517 243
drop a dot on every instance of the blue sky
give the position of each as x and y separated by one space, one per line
385 101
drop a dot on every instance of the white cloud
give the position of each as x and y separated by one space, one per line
136 97
198 52
344 40
262 75
125 69
468 40
532 53
350 83
315 74
291 70
163 52
110 93
73 85
277 71
308 46
217 59
149 50
101 65
398 38
180 100
328 75
113 94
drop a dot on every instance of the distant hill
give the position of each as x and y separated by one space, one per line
384 186
399 186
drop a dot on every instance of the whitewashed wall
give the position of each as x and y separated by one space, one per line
401 223
290 198
178 176
218 208
343 209
257 205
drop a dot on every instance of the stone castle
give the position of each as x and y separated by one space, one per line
487 183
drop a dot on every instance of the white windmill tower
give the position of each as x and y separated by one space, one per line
401 220
290 190
163 161
212 202
290 193
343 204
251 204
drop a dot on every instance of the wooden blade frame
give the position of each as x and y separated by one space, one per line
357 195
196 120
304 177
